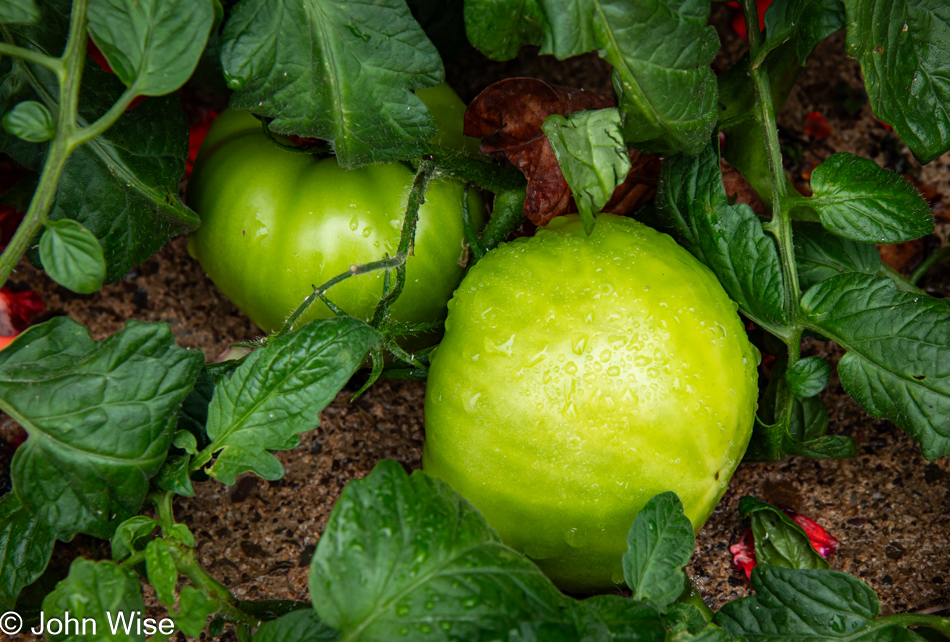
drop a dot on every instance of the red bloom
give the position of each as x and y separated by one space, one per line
196 135
17 309
743 553
816 126
9 220
821 540
738 18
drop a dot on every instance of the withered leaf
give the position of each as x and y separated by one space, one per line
508 116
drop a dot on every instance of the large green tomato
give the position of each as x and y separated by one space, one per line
275 223
580 376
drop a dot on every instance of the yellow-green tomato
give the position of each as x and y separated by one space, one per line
579 376
275 223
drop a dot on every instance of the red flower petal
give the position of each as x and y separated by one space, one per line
743 553
9 220
738 18
816 126
821 540
17 309
196 135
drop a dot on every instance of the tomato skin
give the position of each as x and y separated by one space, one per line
275 223
579 377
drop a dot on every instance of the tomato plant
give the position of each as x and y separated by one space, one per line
276 222
121 427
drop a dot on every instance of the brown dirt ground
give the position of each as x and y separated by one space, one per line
889 508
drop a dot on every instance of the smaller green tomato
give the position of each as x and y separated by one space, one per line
275 223
579 376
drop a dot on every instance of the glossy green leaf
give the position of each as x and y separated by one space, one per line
659 545
660 51
26 545
100 415
175 475
499 29
709 633
278 393
194 608
407 558
152 44
121 186
18 11
898 358
297 626
627 619
128 533
181 533
693 205
162 572
808 377
102 592
799 605
72 256
778 540
592 156
30 121
807 22
821 255
859 200
339 71
904 50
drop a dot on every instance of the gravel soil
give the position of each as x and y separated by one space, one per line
889 508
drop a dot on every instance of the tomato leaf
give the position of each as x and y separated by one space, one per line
102 591
161 570
808 377
660 51
154 45
297 626
659 545
123 185
778 540
821 255
592 156
18 11
128 533
72 256
405 554
194 607
278 392
898 352
807 22
26 545
904 50
728 238
100 416
342 72
30 121
859 200
807 604
627 619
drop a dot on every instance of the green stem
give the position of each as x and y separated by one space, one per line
133 560
60 147
928 263
163 506
941 624
484 174
781 226
507 214
407 239
228 606
53 64
105 121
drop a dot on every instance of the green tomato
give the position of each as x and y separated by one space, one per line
276 223
578 377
